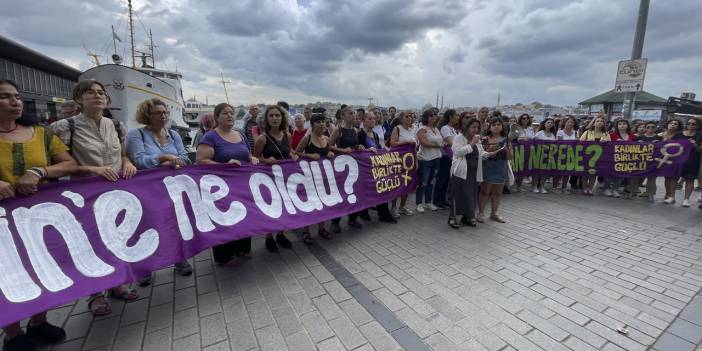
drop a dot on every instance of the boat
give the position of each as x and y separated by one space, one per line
194 110
128 86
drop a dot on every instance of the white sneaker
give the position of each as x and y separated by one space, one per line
395 213
420 208
686 203
543 191
616 194
535 190
669 200
608 193
700 198
431 207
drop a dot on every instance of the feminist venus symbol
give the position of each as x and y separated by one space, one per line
664 151
408 168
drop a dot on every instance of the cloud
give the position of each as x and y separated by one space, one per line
402 52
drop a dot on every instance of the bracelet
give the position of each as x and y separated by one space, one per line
33 171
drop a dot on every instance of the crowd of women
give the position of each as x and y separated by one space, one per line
463 162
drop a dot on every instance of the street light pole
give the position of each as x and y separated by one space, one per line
637 51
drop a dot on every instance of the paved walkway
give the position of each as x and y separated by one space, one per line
565 273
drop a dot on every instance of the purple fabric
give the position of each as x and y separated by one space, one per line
98 234
225 150
621 159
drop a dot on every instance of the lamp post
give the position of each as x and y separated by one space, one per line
636 52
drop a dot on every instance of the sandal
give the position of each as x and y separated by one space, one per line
497 218
452 223
480 218
123 294
324 234
307 238
100 308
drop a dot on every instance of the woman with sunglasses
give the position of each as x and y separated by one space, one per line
673 131
595 132
567 133
154 145
649 135
429 155
622 132
402 134
521 131
547 133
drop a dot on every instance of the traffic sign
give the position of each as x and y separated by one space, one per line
630 76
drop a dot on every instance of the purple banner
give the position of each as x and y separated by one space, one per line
621 159
75 238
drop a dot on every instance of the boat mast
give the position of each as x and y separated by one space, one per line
131 32
151 46
224 84
114 39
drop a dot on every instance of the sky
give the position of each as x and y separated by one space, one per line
400 52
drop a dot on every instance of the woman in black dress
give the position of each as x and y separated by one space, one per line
271 146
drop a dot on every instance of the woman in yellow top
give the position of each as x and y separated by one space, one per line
29 154
595 131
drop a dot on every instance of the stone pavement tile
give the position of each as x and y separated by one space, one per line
270 338
670 342
448 328
102 333
331 344
186 323
634 322
327 307
321 274
163 276
418 288
57 316
378 337
208 304
626 342
311 286
287 320
129 338
423 308
260 314
206 284
392 284
418 324
686 330
72 345
543 325
389 299
347 332
336 291
185 298
299 341
213 329
359 316
514 339
545 341
203 268
301 303
316 326
162 294
368 280
578 345
222 346
439 342
159 340
372 268
241 335
445 308
188 343
227 287
160 317
135 312
77 325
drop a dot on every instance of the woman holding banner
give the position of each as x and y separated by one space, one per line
649 135
371 141
596 132
154 146
547 132
224 145
30 155
622 132
315 146
520 132
97 145
691 167
567 133
466 174
495 170
272 146
402 134
673 131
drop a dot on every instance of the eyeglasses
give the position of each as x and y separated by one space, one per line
650 127
92 92
161 113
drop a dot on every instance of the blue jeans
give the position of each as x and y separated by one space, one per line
427 172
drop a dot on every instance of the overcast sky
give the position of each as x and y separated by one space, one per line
402 52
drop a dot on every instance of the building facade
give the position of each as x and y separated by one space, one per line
43 82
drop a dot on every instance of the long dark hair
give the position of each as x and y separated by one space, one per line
521 118
446 118
495 120
553 125
469 122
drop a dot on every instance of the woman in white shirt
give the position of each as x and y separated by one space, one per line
449 128
569 132
429 155
466 174
546 132
402 134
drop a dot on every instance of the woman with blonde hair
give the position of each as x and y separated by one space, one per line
596 131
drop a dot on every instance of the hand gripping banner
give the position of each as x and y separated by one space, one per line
75 238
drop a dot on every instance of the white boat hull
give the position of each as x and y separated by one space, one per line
127 87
